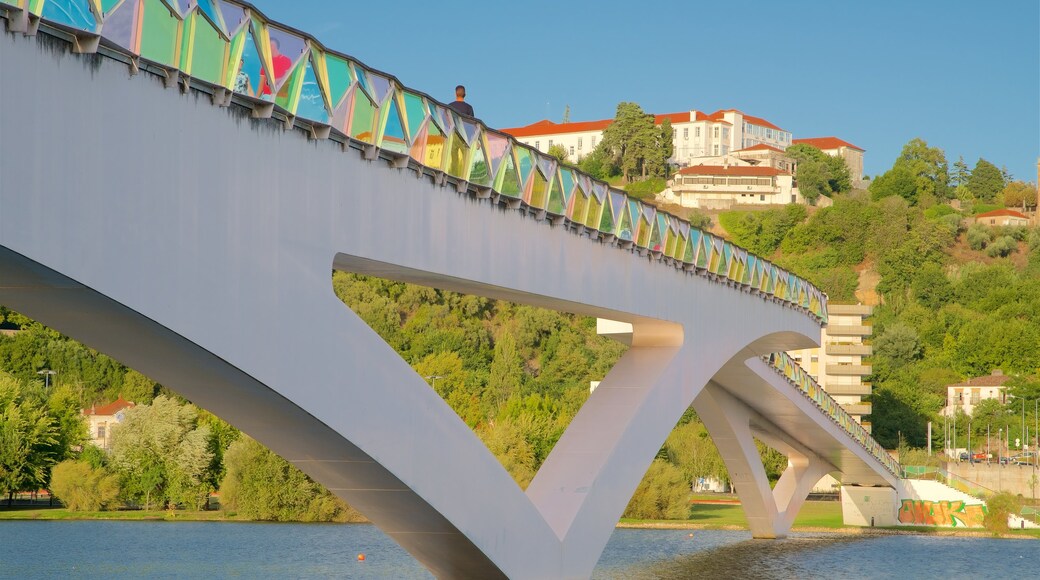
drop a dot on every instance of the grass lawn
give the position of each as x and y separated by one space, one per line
43 513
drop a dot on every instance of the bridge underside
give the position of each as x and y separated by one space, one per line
195 244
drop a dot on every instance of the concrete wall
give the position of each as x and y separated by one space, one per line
861 505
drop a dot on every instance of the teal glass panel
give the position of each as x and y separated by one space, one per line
121 25
234 16
107 5
436 147
625 228
160 31
250 73
525 163
479 170
557 204
210 10
567 184
508 182
752 277
362 78
634 213
497 146
414 112
339 77
74 13
704 253
312 102
207 52
458 156
693 246
363 118
393 137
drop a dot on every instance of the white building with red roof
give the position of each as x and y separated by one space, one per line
694 134
1002 217
102 419
835 147
965 396
724 186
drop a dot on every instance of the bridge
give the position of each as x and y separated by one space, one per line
175 194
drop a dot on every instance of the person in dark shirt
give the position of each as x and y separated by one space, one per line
460 105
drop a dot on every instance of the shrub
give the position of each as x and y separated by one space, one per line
1002 246
663 494
978 236
998 507
646 188
82 487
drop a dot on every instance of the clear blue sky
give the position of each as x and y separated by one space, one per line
962 75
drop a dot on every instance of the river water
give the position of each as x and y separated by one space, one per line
95 549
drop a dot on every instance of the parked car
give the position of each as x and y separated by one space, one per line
978 457
963 456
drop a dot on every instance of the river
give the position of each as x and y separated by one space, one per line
94 549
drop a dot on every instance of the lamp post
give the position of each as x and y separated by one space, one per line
47 373
434 379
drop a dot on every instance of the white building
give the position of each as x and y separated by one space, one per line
723 186
835 147
102 419
694 134
966 395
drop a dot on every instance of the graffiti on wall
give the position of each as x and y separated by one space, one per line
941 513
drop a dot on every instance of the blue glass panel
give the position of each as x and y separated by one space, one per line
234 16
394 138
380 86
248 80
545 165
567 183
414 112
181 5
472 130
312 103
207 7
74 13
362 78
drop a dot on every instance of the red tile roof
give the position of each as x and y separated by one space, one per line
826 143
994 380
547 127
761 147
109 409
740 170
1001 213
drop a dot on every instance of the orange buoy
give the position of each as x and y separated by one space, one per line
360 557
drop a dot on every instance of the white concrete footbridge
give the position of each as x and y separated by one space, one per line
179 178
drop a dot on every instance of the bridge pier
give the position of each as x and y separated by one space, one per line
733 427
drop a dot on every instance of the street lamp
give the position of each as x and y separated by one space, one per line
47 373
434 378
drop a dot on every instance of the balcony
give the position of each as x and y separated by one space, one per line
849 330
860 389
857 408
848 370
849 349
849 309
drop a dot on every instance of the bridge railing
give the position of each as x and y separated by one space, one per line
232 51
797 376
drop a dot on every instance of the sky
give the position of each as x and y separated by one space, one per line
964 76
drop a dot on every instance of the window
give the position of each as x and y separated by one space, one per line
686 133
697 132
716 150
593 141
538 145
674 133
572 149
550 143
101 432
763 198
725 133
579 143
716 133
975 398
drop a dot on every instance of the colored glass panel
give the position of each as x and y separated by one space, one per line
363 118
312 103
74 13
625 228
288 96
440 116
362 78
234 16
160 32
479 170
546 165
392 135
340 77
633 208
567 184
180 5
250 74
471 129
599 190
208 51
107 5
538 197
508 182
525 163
579 207
557 204
121 25
436 147
380 86
458 156
693 245
414 111
418 145
597 218
497 146
210 10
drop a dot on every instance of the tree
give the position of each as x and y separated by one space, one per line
928 166
162 454
818 173
82 487
998 507
506 372
558 151
632 141
960 173
29 441
898 344
898 181
985 181
662 494
931 287
1019 194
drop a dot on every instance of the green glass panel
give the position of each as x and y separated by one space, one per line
704 254
436 151
693 244
107 5
339 77
557 203
414 112
597 218
579 206
645 233
458 155
655 243
539 191
392 135
508 182
160 31
208 51
312 102
478 166
625 231
525 163
362 121
288 95
567 185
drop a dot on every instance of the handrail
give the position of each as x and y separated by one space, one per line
796 375
230 50
955 481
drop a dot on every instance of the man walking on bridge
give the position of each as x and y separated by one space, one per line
460 105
